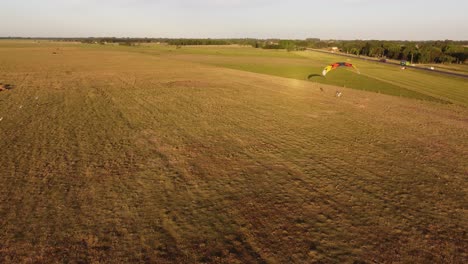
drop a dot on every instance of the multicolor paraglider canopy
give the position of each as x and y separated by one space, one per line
337 65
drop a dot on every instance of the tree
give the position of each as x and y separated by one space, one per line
289 45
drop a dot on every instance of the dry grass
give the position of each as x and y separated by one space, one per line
117 156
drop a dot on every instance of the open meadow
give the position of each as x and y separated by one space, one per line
158 154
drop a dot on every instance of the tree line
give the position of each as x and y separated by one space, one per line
414 51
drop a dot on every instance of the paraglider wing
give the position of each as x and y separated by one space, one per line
337 65
326 70
352 66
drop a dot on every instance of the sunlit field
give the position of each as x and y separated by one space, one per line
159 154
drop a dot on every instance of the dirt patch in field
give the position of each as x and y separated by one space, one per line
5 87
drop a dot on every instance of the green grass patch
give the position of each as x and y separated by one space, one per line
446 88
340 77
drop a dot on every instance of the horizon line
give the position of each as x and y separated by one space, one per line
227 38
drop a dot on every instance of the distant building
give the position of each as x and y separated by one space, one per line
272 42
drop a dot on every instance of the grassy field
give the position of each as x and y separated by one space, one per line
154 154
376 77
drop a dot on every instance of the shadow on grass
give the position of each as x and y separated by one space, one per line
314 75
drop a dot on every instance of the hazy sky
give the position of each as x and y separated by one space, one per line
337 19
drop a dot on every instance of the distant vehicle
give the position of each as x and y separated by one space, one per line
383 60
405 63
432 68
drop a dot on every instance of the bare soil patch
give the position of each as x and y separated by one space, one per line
5 87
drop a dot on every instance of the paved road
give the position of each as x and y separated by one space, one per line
393 63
